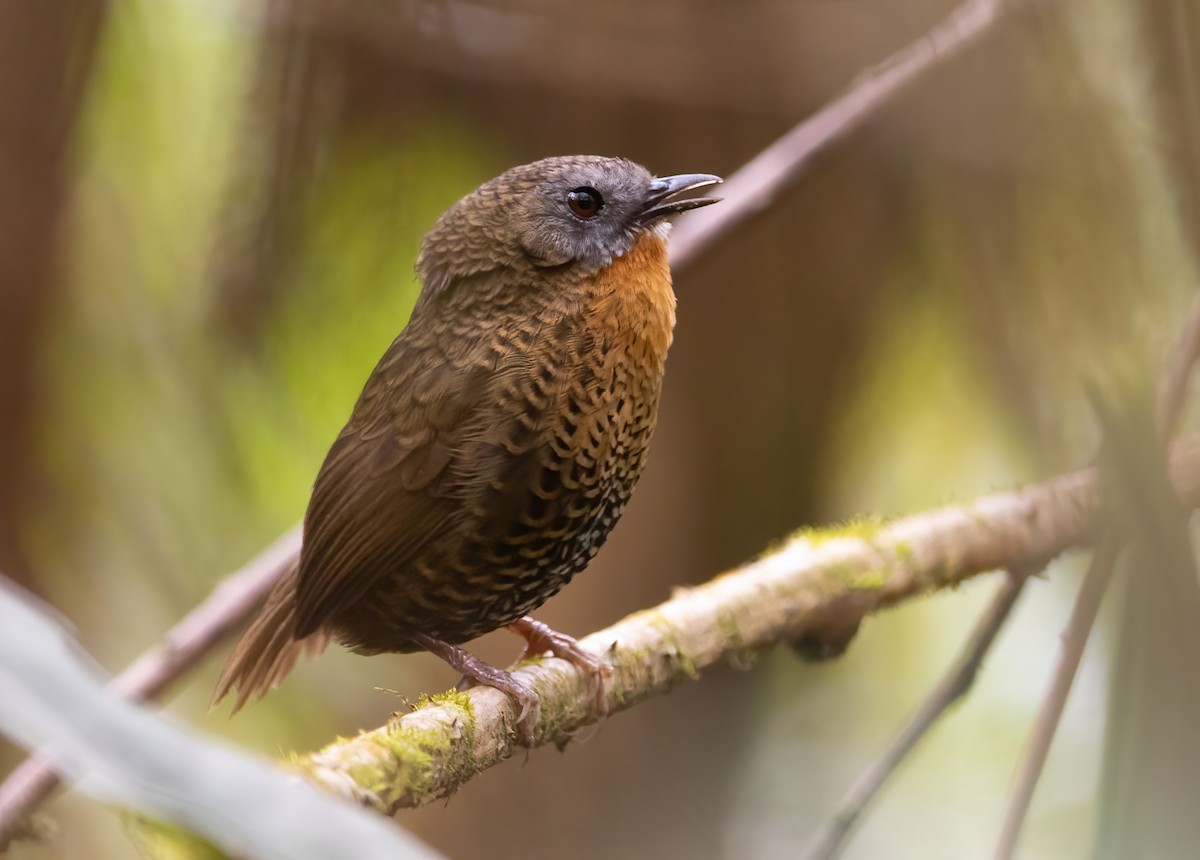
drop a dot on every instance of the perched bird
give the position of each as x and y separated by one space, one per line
497 441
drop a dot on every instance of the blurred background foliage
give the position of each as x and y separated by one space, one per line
209 215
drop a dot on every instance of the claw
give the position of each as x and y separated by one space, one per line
540 638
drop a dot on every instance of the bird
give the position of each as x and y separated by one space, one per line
498 439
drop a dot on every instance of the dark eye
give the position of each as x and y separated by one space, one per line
585 202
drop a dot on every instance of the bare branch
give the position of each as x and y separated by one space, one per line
1074 638
1172 392
829 841
758 183
815 585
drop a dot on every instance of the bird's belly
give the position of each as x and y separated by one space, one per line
535 547
541 523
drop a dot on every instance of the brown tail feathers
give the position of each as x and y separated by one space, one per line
267 651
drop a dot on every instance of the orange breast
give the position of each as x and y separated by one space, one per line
634 304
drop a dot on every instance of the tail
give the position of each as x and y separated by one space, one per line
268 650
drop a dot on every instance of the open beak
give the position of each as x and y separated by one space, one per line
657 204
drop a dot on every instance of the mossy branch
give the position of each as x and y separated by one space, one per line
812 591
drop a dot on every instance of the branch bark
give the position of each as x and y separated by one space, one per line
817 587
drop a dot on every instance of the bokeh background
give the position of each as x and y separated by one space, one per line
209 213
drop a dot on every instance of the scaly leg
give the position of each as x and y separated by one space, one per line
474 669
539 639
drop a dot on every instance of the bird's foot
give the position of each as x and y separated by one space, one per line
476 671
540 638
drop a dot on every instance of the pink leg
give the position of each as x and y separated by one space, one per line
479 672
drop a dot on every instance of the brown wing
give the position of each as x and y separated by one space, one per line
384 491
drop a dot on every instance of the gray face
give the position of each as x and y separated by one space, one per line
585 210
579 210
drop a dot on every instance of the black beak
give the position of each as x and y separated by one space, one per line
661 188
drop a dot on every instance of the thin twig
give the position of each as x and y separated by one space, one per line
1074 639
829 841
750 190
1171 396
815 586
1172 393
757 184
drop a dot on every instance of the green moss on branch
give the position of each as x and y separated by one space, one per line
812 591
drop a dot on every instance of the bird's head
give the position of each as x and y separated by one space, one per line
575 212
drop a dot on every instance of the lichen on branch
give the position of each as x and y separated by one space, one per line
811 591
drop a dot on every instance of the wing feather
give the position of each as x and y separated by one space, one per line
383 491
